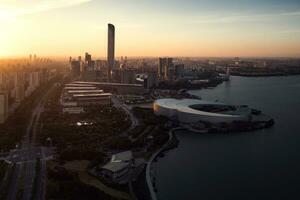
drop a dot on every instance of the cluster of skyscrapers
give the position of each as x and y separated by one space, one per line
96 70
114 71
169 71
108 70
18 79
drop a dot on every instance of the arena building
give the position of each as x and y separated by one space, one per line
194 110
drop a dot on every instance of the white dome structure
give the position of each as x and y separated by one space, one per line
194 110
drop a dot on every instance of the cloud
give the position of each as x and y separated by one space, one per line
244 18
14 8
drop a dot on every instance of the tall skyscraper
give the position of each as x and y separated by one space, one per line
160 69
110 49
165 68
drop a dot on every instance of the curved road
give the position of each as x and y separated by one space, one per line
134 120
148 168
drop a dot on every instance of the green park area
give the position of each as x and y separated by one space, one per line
80 136
85 140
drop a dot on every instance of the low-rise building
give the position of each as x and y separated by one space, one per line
73 110
119 88
75 97
118 167
122 168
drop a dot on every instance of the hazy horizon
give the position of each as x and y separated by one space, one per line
66 58
62 28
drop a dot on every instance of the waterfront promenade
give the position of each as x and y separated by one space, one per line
149 163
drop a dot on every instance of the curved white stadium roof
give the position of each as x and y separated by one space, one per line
183 109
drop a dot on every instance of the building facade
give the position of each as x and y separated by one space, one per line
3 106
165 68
111 49
193 110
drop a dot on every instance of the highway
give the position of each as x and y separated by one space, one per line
28 179
26 157
14 183
32 154
41 181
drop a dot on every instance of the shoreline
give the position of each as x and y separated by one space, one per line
169 145
149 181
240 142
263 74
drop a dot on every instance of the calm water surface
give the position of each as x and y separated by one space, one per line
256 165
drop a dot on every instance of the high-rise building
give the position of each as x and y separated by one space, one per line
165 68
36 79
160 68
3 106
75 68
88 57
110 49
101 64
151 80
179 71
2 81
127 76
19 86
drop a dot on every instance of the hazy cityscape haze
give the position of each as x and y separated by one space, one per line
151 28
149 99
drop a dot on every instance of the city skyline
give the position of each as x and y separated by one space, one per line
191 28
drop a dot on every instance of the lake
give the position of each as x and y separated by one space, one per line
262 164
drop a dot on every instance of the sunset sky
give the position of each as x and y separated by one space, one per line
151 27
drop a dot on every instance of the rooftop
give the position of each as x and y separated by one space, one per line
119 161
85 91
80 88
93 95
115 166
109 84
76 85
123 156
194 106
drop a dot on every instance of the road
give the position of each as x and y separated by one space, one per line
14 183
134 120
40 155
28 179
41 181
27 157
